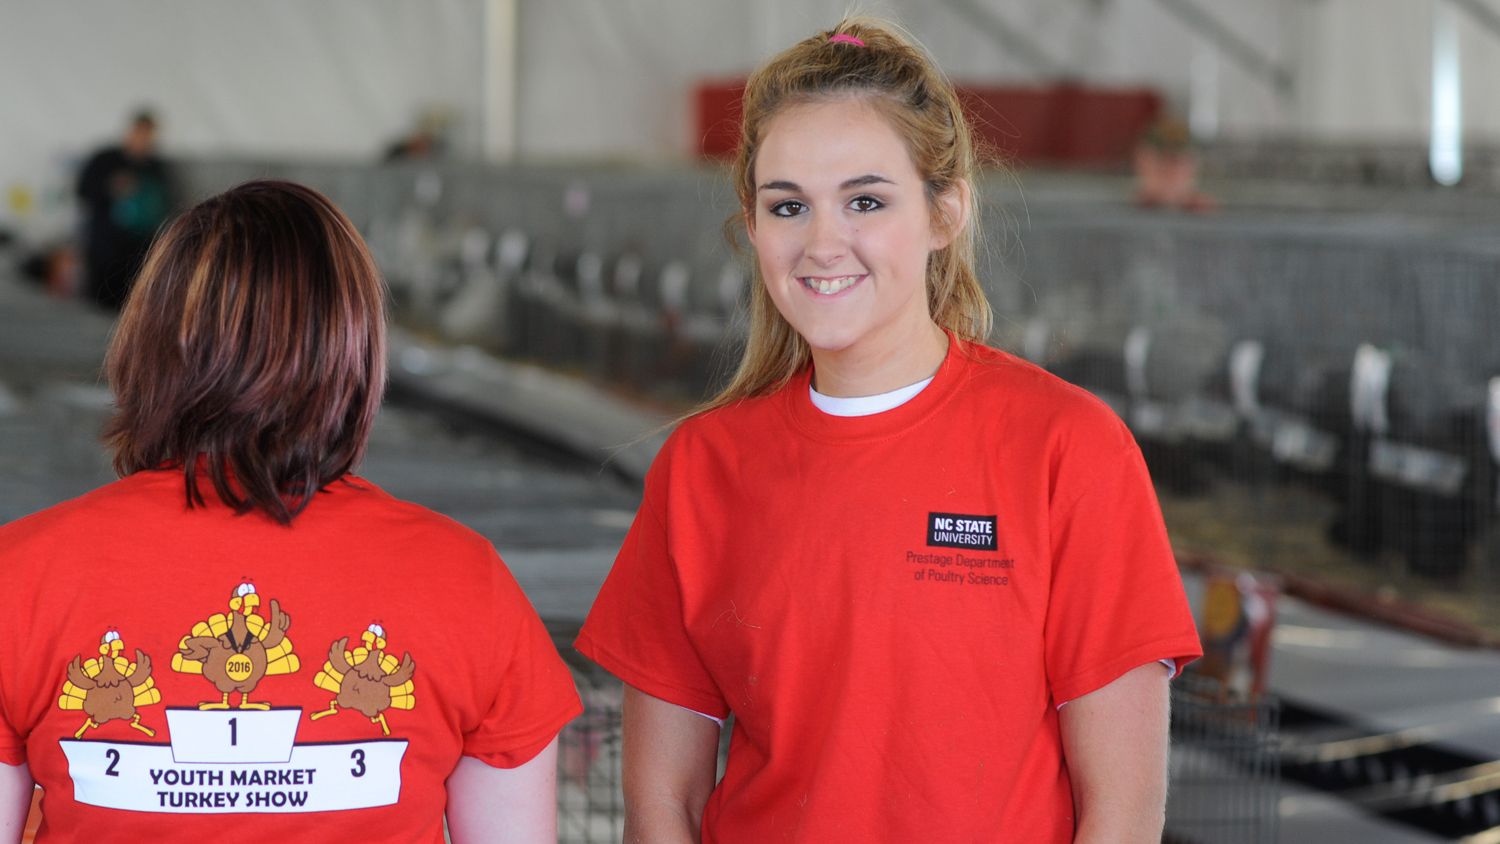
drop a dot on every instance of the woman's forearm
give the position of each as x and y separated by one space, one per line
669 765
661 823
1115 741
15 801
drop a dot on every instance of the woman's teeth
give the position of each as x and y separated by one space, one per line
829 286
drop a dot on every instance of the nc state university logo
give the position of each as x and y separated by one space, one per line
956 530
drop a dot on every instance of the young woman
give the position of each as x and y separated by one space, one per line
929 580
240 624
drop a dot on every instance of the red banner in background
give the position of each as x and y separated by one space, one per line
1065 124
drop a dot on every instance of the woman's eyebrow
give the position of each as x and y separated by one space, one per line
856 182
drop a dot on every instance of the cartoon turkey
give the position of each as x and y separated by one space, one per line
367 679
111 687
235 651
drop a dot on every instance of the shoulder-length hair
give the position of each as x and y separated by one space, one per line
252 349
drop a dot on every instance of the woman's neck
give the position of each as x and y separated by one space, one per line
864 371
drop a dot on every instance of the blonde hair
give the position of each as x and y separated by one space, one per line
902 81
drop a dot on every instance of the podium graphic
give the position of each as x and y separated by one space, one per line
225 756
237 760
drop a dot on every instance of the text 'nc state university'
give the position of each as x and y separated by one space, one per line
957 530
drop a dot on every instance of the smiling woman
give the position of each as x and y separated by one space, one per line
887 75
842 229
790 562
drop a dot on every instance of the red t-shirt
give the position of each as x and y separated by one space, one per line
378 642
893 605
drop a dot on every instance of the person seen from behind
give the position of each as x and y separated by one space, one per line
242 639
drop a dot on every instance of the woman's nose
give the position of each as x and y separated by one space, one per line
827 239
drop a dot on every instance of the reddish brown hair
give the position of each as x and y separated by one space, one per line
252 348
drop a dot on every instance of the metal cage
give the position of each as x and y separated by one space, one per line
1225 772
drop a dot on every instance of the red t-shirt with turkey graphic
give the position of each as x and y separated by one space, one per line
189 674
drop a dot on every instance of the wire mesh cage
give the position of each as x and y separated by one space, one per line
1225 769
1314 391
1225 778
590 801
590 805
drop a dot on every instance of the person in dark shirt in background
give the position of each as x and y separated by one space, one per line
126 195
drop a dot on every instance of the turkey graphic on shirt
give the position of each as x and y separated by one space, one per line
235 651
109 688
366 679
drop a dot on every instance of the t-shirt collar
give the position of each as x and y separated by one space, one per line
823 426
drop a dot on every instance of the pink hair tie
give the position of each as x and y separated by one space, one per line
841 38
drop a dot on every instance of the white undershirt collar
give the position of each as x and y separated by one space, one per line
866 405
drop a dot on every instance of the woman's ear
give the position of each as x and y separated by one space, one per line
952 214
749 216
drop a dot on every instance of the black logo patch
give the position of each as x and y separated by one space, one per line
956 530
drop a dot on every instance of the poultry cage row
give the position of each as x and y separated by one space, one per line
1224 770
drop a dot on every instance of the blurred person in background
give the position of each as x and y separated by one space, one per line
54 266
126 192
1166 169
428 140
241 591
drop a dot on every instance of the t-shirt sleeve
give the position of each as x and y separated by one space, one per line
535 697
635 629
1117 600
